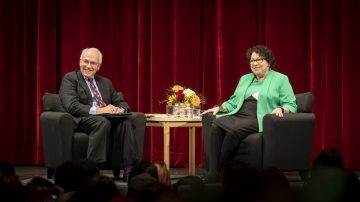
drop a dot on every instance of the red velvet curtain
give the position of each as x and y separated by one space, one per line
149 45
28 68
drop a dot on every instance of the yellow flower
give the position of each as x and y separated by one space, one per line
176 88
195 100
171 99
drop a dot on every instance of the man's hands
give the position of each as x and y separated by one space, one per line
110 109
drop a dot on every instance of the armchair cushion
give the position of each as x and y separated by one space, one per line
305 102
53 103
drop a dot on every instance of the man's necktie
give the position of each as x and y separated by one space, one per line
96 93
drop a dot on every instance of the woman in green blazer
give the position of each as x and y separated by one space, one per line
261 92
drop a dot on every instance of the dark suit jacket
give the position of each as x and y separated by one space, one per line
76 97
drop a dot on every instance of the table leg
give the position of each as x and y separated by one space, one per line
192 151
167 145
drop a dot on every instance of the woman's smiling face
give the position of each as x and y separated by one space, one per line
259 66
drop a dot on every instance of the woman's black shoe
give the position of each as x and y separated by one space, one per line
125 178
127 171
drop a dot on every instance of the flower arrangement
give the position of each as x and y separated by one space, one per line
180 94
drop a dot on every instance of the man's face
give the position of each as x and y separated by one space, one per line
89 63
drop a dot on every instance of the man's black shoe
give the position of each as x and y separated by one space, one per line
116 174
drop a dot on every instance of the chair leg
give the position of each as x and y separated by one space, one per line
50 173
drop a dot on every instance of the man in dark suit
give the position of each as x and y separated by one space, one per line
84 95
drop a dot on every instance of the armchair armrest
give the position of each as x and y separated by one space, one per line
57 131
287 141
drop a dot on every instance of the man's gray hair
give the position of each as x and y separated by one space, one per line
92 49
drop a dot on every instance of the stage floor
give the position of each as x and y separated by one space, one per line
27 172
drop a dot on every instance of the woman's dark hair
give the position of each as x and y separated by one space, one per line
143 166
263 51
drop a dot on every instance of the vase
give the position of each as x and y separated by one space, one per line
181 110
196 111
170 110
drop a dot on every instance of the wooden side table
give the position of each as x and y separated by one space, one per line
162 120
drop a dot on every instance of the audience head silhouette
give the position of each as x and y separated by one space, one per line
329 157
98 188
6 169
329 181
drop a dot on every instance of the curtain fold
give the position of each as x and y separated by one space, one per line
149 45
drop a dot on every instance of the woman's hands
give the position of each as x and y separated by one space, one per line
280 111
214 110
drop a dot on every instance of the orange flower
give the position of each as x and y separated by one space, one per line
195 100
176 88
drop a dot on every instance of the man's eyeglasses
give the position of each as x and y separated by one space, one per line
259 60
92 63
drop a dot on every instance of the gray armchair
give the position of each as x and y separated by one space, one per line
286 143
61 142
